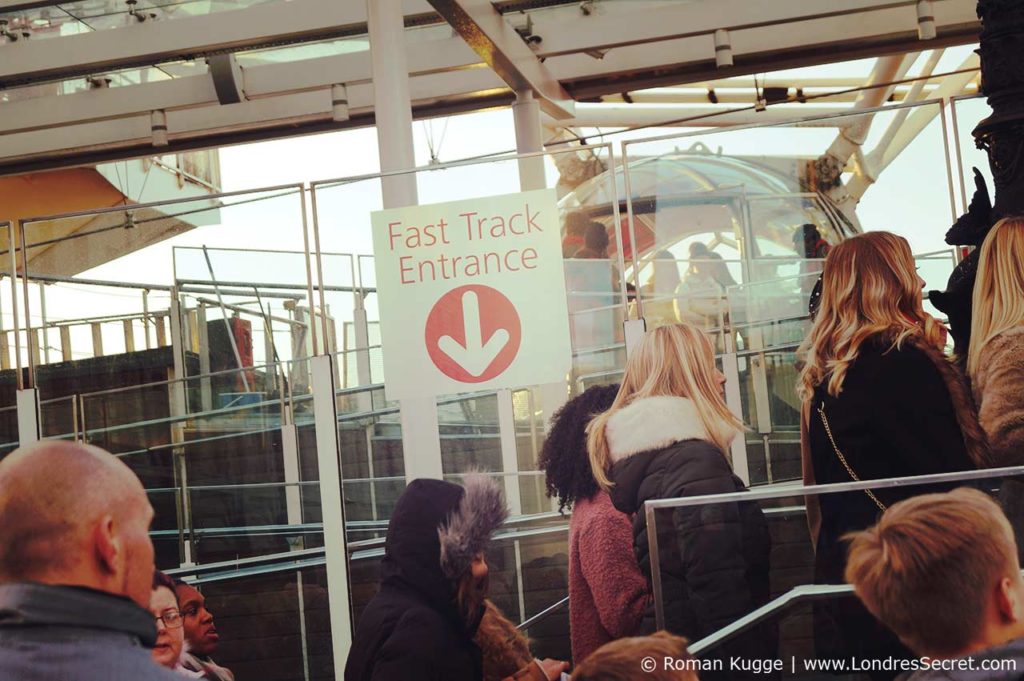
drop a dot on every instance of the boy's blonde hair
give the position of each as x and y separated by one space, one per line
927 569
622 660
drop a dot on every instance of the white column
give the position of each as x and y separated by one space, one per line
391 103
529 139
421 440
325 416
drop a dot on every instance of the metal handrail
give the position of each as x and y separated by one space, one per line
239 562
795 596
543 614
765 493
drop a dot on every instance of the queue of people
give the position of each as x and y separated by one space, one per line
936 572
80 598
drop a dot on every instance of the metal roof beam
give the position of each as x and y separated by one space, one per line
665 59
688 19
634 115
155 42
271 113
430 57
500 46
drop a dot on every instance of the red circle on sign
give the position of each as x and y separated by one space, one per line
473 333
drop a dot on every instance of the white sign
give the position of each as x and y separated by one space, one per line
472 295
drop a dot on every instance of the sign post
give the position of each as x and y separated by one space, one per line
472 295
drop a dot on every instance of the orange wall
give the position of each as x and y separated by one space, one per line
58 191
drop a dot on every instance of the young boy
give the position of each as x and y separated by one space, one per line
941 571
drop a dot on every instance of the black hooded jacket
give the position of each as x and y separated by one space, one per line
714 558
412 628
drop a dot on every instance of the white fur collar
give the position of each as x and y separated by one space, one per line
652 423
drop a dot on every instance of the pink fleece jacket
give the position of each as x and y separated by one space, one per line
607 591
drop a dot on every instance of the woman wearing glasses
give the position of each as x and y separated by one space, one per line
170 639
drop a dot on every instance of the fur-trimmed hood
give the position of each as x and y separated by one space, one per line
652 423
469 528
436 529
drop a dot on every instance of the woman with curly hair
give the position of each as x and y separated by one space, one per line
607 591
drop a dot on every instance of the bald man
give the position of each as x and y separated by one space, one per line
76 565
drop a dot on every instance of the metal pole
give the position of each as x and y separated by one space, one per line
145 316
227 324
42 325
178 409
319 273
421 439
14 303
654 555
325 415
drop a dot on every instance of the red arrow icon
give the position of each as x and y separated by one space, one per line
473 333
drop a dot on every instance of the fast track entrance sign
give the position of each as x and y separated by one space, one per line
471 295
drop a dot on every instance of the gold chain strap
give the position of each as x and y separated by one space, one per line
842 459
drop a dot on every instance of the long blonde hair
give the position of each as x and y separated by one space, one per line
674 360
870 289
999 288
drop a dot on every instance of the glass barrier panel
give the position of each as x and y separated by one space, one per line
968 112
8 430
530 572
809 618
118 265
259 296
167 532
58 418
714 208
237 496
372 463
273 621
470 437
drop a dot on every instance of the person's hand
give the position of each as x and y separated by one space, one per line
553 668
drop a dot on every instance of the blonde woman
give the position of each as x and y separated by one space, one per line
666 435
995 361
880 400
996 358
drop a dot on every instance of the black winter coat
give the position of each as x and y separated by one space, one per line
899 414
412 629
893 418
714 558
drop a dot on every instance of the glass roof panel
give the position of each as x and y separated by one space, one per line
71 18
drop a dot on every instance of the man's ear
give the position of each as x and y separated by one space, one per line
1008 601
107 545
